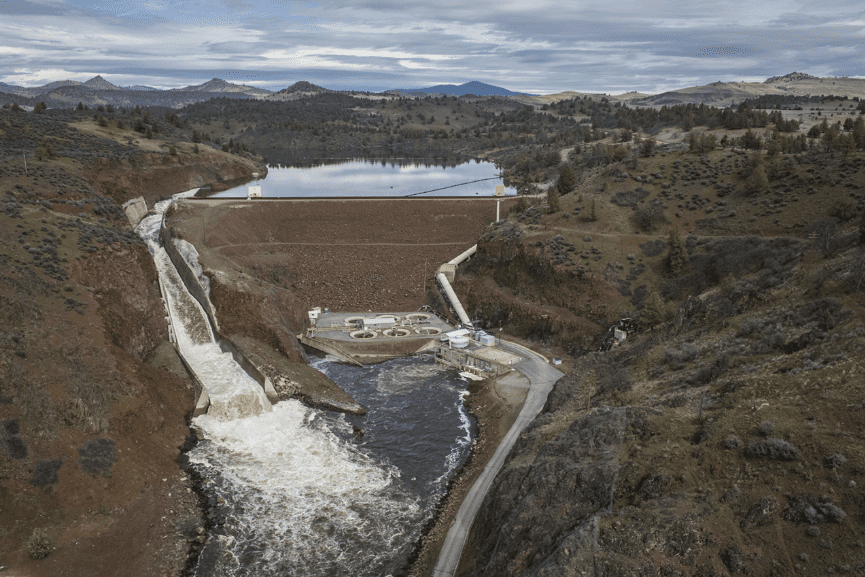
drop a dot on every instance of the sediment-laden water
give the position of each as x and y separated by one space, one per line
292 489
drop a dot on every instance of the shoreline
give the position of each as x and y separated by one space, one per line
492 419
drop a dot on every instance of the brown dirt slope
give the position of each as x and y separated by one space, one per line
90 428
94 403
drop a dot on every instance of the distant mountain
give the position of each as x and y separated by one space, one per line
59 84
298 90
793 76
36 90
220 85
99 83
732 93
474 87
303 86
140 87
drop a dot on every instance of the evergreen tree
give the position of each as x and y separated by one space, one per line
758 181
653 312
647 147
567 180
677 257
553 200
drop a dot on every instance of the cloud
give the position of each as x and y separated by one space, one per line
539 46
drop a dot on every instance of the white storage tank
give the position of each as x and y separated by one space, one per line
459 342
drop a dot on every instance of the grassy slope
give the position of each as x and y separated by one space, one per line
811 396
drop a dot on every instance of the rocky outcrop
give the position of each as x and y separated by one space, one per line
516 286
541 517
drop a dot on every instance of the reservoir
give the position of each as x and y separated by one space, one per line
329 178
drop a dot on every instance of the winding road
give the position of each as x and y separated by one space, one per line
542 377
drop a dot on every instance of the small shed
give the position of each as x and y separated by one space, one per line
379 323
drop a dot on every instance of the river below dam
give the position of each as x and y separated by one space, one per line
295 490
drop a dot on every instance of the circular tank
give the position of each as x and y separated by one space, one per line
367 334
428 331
459 342
396 332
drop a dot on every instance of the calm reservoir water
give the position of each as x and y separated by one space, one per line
352 178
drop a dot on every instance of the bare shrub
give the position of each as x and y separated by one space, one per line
711 371
614 379
629 197
813 510
843 209
689 352
647 218
97 456
765 428
835 461
38 545
45 472
775 449
732 442
827 313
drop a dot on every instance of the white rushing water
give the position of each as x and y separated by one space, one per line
299 500
294 497
233 393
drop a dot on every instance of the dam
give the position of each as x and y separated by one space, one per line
292 491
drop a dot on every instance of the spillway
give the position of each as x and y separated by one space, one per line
233 393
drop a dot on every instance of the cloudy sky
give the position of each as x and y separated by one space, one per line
536 46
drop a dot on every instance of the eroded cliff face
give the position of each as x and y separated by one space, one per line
263 312
156 176
514 285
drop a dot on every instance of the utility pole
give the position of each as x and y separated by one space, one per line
25 163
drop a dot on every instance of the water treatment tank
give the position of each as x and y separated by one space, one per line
459 342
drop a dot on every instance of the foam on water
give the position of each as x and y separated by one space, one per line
417 418
454 458
299 500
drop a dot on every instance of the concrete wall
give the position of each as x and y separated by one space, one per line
190 279
135 210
